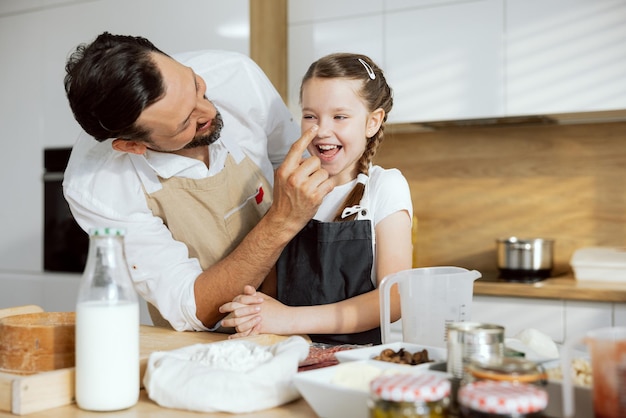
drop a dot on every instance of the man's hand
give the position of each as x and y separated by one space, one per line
243 312
299 185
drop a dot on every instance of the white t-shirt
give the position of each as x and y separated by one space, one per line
387 192
104 187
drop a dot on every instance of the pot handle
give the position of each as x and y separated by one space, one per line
385 305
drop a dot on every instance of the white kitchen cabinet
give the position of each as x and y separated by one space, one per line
619 314
560 319
310 41
443 60
453 59
446 62
307 11
517 314
565 56
395 5
581 317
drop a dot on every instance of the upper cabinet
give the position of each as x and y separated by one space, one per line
451 59
313 38
445 62
323 10
565 56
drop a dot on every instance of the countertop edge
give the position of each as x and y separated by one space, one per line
562 288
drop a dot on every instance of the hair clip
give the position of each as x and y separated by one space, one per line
369 70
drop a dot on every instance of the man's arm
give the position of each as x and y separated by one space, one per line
299 187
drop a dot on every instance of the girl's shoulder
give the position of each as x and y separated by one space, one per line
382 176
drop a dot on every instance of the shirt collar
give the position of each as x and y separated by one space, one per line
168 165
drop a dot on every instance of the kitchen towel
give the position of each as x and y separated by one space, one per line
233 376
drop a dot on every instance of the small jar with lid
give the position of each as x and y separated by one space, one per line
424 395
506 369
501 399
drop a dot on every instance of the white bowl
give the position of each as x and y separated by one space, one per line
329 398
437 354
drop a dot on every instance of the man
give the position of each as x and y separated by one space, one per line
184 162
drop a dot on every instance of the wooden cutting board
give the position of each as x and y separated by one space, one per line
23 395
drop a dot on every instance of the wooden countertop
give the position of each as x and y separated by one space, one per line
39 395
147 408
563 287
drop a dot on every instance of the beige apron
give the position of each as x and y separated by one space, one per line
211 215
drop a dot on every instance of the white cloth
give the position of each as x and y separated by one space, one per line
184 379
104 187
387 192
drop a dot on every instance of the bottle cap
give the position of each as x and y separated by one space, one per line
499 397
424 387
107 231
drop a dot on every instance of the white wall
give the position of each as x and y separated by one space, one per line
54 292
36 36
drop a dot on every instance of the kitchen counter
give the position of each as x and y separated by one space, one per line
564 287
147 408
37 394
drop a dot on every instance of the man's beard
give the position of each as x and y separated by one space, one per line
207 139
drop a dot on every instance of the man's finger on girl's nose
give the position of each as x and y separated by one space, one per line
297 149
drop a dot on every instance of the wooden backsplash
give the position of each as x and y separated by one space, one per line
473 185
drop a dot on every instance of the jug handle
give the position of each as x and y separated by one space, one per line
385 308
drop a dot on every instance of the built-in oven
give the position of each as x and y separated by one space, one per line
65 243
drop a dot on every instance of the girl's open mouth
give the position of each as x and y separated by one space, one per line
328 150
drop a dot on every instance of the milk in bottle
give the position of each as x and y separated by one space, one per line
107 327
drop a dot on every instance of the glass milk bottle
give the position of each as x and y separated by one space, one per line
107 327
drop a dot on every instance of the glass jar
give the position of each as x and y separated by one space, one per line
423 395
509 369
107 327
501 399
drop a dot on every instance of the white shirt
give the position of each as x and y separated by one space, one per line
386 192
104 187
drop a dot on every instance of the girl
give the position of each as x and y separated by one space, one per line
327 277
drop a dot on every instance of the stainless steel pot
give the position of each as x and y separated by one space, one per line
525 260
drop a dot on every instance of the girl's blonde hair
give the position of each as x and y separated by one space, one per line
375 93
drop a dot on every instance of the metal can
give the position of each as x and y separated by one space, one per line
424 395
472 341
502 399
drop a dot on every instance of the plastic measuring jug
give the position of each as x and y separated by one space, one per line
607 352
430 299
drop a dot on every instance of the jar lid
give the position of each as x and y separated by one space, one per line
507 368
107 231
424 387
503 397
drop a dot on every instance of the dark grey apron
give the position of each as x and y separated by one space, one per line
328 262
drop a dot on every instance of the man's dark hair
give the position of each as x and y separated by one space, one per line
110 82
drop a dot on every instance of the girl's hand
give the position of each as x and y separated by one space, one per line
272 317
243 312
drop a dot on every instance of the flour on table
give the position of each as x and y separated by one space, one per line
235 356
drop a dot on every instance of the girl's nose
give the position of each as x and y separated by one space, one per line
323 130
